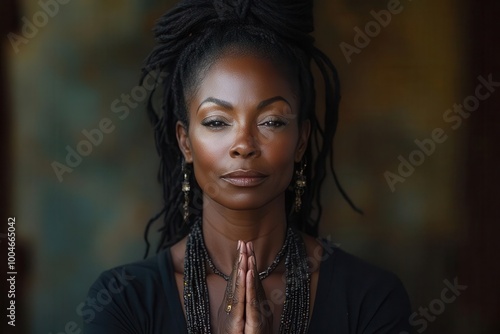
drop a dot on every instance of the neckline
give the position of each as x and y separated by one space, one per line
170 286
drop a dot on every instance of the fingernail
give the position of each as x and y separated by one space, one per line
239 244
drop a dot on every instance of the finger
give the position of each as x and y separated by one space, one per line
252 266
249 249
253 316
241 268
258 313
232 310
251 290
236 285
244 253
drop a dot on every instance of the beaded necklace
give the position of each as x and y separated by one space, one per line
262 274
295 315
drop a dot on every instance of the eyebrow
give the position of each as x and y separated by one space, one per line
267 102
228 105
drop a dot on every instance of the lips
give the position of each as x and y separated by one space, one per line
244 178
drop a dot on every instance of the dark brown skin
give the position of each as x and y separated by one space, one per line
243 140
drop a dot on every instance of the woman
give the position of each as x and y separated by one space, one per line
243 157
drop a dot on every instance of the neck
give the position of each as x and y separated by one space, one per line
264 227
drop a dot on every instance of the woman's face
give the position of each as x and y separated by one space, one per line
243 136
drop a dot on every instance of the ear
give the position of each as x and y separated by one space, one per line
305 130
183 141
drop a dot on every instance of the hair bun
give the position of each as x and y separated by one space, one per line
230 10
290 19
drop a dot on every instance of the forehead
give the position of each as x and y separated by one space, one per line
239 78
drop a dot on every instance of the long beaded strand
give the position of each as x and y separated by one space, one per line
295 315
196 300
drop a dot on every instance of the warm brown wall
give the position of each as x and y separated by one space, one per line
480 254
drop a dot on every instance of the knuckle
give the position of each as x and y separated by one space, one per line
254 303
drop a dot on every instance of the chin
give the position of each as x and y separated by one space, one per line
242 202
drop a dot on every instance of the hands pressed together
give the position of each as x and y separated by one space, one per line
244 308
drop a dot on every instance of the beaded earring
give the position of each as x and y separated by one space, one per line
186 187
300 185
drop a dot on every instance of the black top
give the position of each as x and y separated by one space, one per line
352 297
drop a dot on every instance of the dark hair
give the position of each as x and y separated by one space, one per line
191 37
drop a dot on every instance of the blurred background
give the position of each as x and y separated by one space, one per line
431 211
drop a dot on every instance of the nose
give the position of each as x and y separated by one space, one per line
245 144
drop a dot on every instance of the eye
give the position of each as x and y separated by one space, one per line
214 123
274 123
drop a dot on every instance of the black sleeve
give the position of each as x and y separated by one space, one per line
136 298
356 297
110 304
386 307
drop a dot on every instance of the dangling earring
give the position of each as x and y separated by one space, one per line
185 189
300 185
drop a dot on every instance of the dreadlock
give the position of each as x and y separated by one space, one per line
190 38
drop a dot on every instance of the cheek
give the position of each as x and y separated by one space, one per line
208 153
280 153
